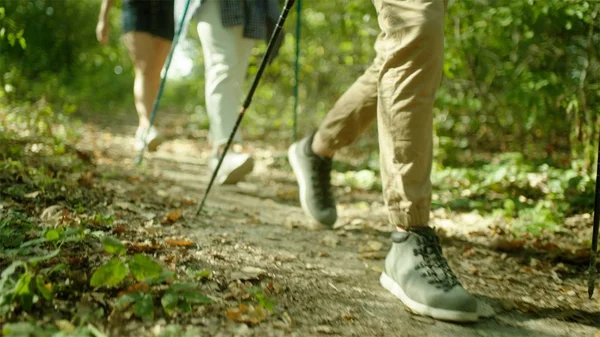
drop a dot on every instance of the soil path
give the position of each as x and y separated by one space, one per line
323 281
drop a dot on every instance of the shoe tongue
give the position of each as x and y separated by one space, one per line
398 237
422 230
434 258
426 232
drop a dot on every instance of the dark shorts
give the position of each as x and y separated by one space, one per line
150 16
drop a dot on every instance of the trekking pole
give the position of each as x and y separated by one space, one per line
261 69
297 66
593 271
162 81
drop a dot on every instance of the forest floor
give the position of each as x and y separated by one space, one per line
263 267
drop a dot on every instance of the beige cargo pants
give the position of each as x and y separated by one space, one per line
399 90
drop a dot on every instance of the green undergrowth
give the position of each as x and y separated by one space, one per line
529 197
67 263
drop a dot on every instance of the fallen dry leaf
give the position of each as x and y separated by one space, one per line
86 179
285 322
171 217
325 329
247 274
249 314
370 246
32 195
180 242
506 245
545 246
138 287
119 229
75 260
134 179
287 194
478 233
128 206
188 202
468 252
65 326
380 255
53 212
582 253
138 247
252 220
330 240
172 259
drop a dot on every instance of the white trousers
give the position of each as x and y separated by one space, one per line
226 57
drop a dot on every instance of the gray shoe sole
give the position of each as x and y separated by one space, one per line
238 174
300 177
425 310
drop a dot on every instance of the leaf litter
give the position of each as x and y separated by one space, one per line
245 278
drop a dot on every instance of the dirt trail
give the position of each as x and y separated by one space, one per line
325 282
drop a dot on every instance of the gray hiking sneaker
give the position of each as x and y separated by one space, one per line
313 174
418 274
235 167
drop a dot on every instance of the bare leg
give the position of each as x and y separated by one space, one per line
148 54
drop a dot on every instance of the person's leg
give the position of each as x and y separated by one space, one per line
148 54
140 46
162 47
415 268
352 114
311 157
226 57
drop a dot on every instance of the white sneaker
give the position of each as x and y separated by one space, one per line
234 168
153 139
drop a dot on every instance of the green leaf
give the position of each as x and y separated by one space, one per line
203 274
24 329
169 301
184 306
12 268
36 259
23 43
144 308
109 274
113 246
58 268
195 297
23 291
180 287
23 287
32 242
52 235
144 268
46 294
164 276
127 299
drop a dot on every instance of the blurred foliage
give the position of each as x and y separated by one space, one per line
528 196
522 76
63 62
519 76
